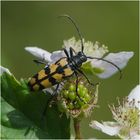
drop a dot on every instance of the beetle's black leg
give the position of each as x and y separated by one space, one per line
86 78
55 91
39 62
77 84
67 54
71 49
71 52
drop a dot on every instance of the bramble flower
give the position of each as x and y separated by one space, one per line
100 68
126 116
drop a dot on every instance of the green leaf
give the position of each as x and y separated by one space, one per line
22 111
14 124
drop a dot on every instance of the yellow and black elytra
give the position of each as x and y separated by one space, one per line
65 67
51 75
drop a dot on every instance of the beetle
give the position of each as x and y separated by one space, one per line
64 68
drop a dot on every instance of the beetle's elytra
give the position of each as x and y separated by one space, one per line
51 75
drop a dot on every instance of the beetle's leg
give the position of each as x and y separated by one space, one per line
71 49
71 52
66 52
80 71
55 91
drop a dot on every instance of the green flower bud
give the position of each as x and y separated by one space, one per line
80 102
70 105
72 95
77 105
87 98
83 92
85 89
80 87
66 93
62 106
72 87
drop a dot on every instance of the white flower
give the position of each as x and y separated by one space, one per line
90 49
126 116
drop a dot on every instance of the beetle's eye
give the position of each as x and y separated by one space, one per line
84 58
80 53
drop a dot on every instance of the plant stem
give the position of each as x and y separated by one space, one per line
77 128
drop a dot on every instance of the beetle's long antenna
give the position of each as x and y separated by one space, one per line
75 24
107 62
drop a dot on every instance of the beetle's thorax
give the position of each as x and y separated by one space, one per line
78 59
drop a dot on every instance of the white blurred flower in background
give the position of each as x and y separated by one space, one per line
126 116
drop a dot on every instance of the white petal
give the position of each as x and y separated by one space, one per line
3 69
135 137
56 55
120 59
39 53
49 90
135 94
110 128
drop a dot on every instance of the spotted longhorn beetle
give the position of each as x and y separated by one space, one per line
65 67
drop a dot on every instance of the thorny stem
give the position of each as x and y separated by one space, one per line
77 129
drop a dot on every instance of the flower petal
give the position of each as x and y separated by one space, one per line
135 95
120 59
90 49
3 69
56 55
110 128
39 53
135 137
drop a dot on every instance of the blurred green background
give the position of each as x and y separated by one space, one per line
115 24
